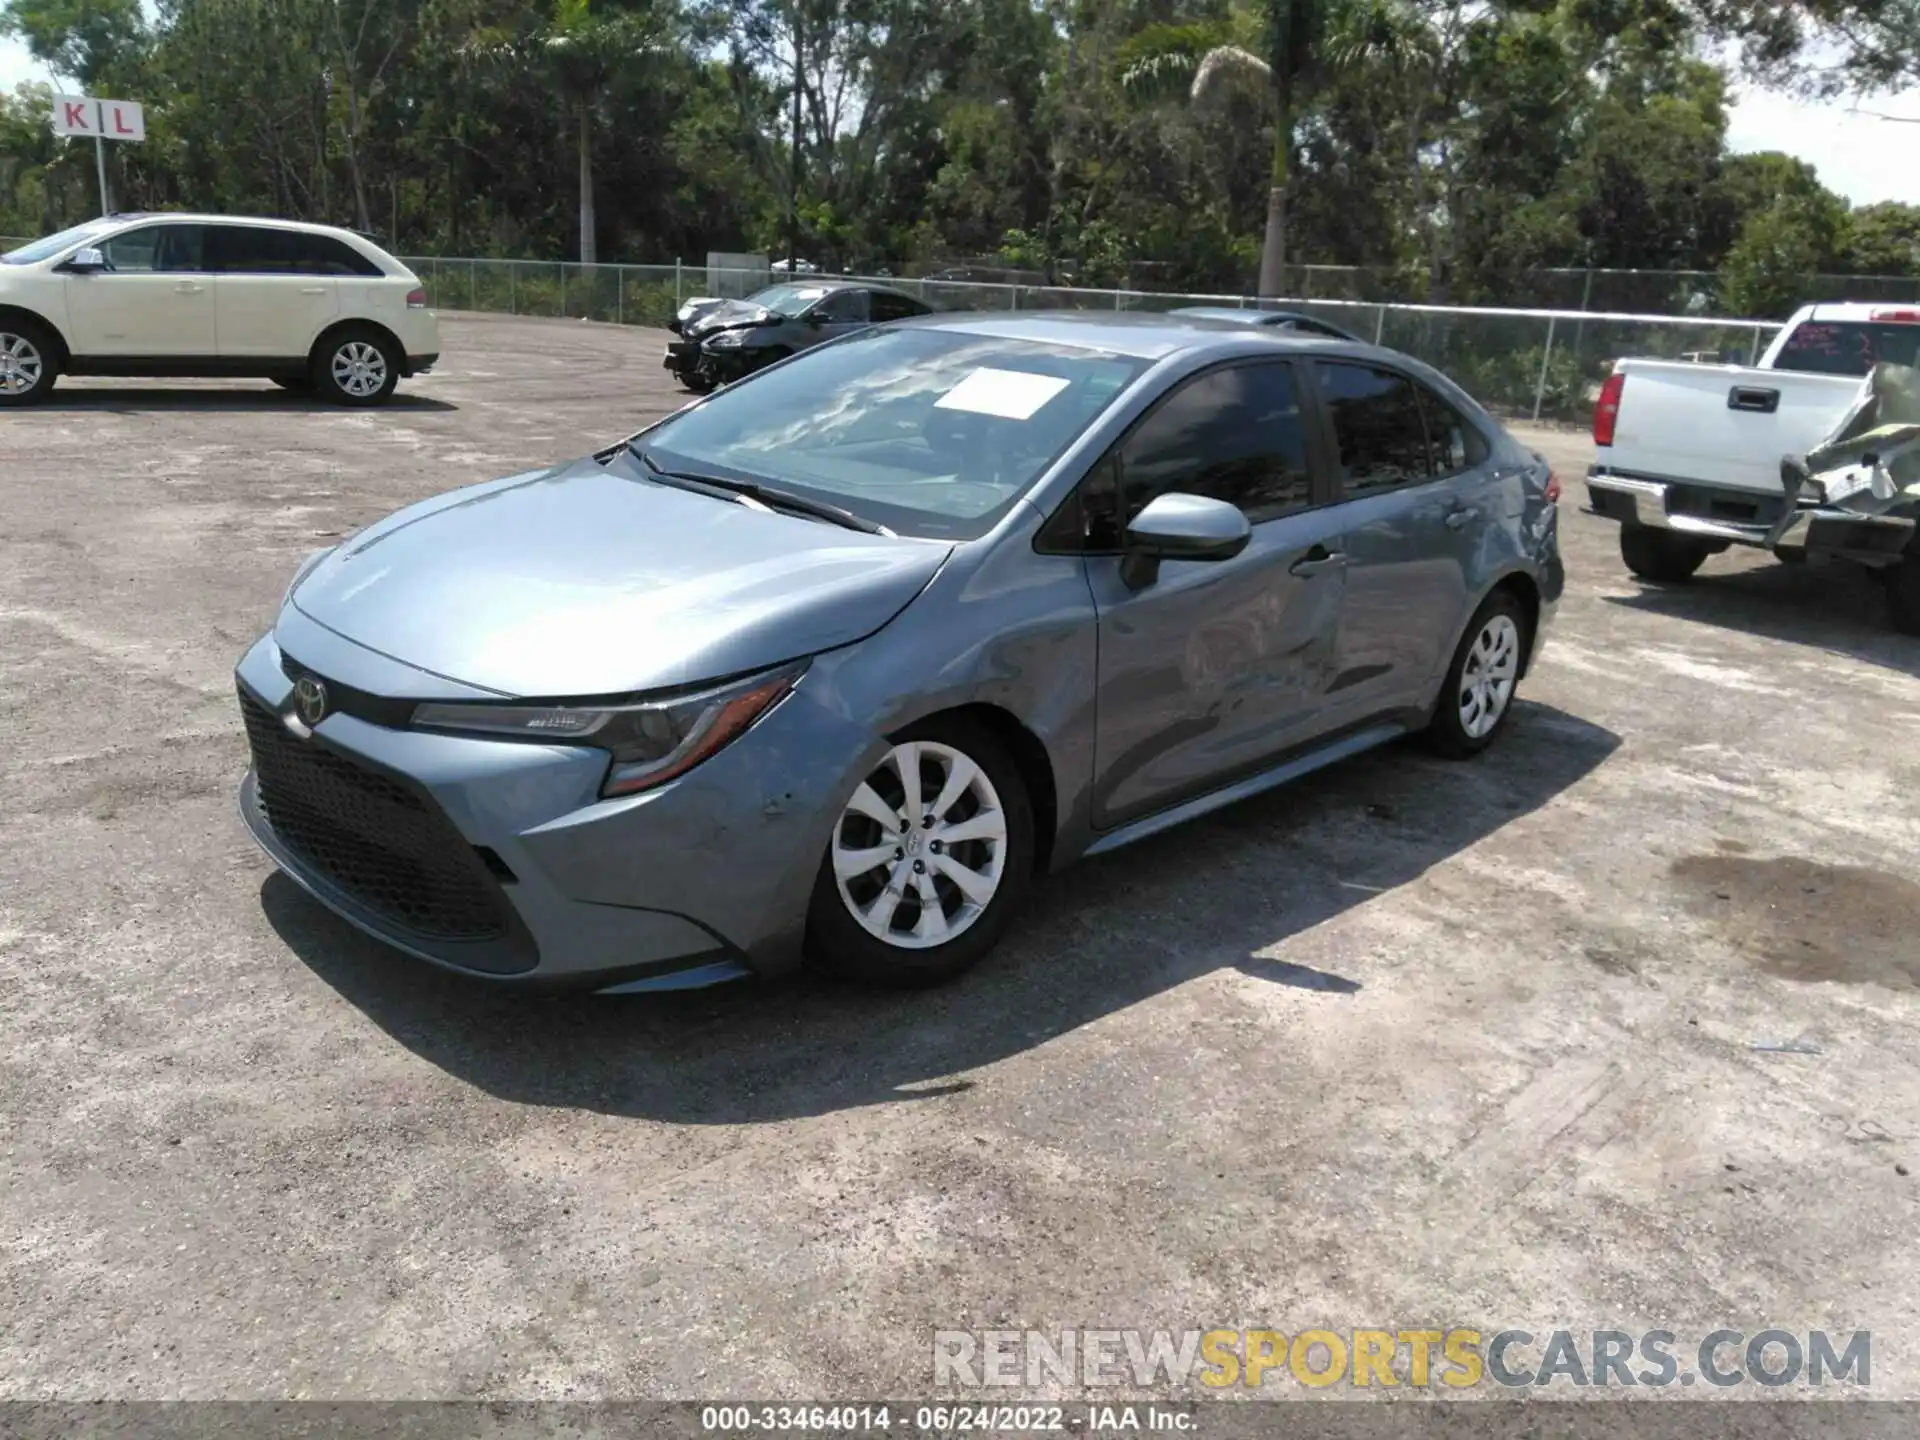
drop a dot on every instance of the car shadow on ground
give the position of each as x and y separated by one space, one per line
129 400
1095 939
1840 608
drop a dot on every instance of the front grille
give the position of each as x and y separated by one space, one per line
377 838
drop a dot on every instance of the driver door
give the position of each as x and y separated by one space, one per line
154 299
1214 668
840 313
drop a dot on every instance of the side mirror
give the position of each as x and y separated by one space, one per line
1180 527
87 260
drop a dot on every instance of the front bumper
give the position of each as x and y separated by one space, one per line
703 880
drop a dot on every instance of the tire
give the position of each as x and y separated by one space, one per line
1477 698
1903 595
29 362
852 931
696 382
1661 555
356 365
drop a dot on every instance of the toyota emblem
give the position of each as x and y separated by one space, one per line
310 699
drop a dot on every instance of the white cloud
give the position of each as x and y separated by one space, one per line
1857 154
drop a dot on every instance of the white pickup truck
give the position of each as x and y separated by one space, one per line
1695 458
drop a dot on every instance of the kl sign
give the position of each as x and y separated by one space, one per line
98 119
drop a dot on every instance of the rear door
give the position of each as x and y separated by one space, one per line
1415 511
277 290
154 299
1215 667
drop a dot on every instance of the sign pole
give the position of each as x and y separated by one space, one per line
100 163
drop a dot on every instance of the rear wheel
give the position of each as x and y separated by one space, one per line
927 861
29 362
356 366
1903 594
1478 694
1661 555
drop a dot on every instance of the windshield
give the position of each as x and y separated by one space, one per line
789 300
1848 347
53 244
933 433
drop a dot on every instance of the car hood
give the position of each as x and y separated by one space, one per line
591 580
730 315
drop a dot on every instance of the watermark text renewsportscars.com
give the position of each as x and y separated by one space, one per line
1435 1359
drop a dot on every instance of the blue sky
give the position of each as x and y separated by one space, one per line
1861 156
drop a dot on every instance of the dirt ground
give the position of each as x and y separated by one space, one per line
1408 1043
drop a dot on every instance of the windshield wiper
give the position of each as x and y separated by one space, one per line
766 495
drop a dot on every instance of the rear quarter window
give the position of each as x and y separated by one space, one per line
1848 347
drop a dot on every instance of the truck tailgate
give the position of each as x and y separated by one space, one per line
1720 424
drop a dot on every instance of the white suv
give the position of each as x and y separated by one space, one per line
306 306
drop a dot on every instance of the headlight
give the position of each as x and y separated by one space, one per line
304 569
651 741
728 340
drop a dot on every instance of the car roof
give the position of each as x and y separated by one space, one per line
1143 335
201 218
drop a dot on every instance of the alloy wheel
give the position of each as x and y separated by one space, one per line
921 848
20 364
1487 679
359 369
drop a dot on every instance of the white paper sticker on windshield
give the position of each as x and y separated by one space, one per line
1010 394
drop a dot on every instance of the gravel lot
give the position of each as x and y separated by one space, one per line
1408 1043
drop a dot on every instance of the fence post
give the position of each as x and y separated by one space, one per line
563 289
1753 354
1540 390
1380 325
619 294
513 287
1116 301
678 298
1013 297
473 285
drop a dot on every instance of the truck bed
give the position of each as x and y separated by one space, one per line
1719 426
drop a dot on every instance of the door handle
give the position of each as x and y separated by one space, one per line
188 287
313 289
1757 398
1458 517
1317 560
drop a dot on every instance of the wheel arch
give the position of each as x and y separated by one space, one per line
22 313
1524 588
339 327
1028 753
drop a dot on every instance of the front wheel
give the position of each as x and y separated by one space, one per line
926 862
696 381
1477 697
28 363
1661 555
358 366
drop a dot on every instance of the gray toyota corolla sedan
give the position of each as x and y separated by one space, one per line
836 661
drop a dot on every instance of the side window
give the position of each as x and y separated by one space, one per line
1376 420
134 252
324 255
1456 446
1233 434
247 250
886 306
844 307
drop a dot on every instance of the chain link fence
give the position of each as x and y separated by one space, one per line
1534 363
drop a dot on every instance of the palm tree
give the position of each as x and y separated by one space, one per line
582 49
1308 42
